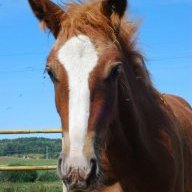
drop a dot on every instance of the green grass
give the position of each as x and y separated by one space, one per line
31 187
38 186
55 186
6 161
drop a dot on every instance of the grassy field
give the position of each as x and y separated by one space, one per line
5 161
55 186
31 187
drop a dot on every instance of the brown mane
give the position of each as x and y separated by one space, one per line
86 17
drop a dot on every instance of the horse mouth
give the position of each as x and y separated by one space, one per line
83 185
80 186
76 186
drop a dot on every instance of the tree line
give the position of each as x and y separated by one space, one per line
34 145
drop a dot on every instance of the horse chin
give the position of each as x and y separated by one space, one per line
76 187
81 187
89 185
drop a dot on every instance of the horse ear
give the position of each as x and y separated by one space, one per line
48 13
114 6
115 10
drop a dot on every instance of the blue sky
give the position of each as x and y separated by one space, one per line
27 98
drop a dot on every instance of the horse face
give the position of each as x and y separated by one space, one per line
85 76
85 82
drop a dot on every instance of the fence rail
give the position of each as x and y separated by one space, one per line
7 132
28 168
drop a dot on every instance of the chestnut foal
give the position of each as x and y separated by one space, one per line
120 133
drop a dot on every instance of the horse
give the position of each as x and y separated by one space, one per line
120 132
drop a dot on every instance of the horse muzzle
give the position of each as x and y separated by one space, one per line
77 173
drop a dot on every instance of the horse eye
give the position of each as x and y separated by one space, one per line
51 74
115 72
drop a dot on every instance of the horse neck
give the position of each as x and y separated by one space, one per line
137 126
135 146
138 107
132 125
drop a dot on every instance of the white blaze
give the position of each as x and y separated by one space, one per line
78 56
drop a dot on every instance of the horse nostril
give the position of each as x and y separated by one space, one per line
93 164
59 167
59 162
93 173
